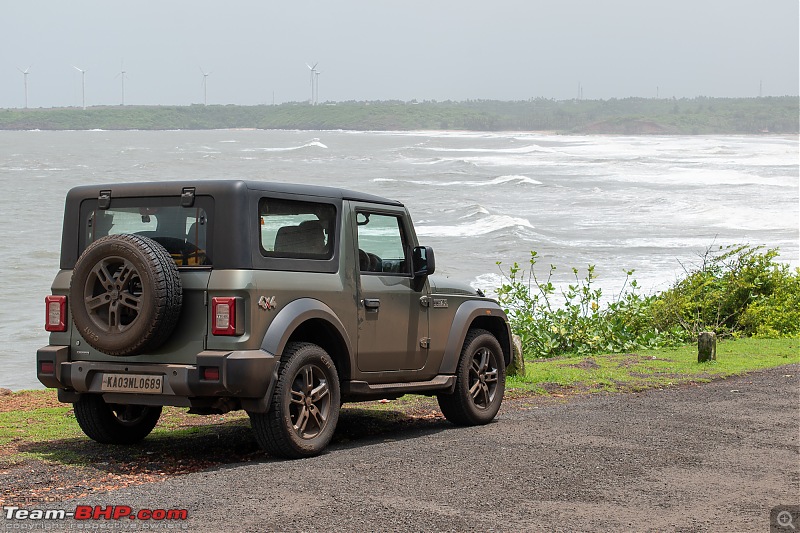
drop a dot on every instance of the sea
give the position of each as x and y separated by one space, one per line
652 204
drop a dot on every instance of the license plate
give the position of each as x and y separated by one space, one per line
132 383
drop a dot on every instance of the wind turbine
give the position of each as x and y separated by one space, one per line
83 85
25 76
121 75
313 71
205 85
316 98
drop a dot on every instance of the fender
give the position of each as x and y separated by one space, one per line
467 312
294 314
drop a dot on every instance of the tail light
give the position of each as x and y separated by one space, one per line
56 313
225 320
210 373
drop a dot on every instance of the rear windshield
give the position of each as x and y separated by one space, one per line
183 231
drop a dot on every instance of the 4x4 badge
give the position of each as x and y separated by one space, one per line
266 304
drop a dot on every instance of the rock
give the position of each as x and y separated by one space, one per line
706 347
5 392
517 366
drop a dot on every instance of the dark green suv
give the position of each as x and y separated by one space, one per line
282 300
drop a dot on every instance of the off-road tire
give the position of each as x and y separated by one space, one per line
125 296
480 381
114 423
304 407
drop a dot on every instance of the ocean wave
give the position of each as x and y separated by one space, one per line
483 226
704 177
500 180
488 283
311 144
474 210
529 149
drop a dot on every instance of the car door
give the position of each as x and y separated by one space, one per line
393 324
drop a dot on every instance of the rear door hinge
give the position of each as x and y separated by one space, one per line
425 342
425 301
187 197
104 200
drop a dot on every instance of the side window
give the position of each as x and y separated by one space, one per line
296 230
381 244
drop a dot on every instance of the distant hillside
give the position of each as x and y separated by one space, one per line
625 116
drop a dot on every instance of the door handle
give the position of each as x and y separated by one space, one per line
372 303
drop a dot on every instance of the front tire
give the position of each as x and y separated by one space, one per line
304 408
114 423
480 381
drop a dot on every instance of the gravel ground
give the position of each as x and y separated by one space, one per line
713 457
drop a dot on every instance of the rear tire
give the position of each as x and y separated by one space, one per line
114 423
304 407
480 381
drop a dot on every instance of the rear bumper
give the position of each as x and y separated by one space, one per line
247 374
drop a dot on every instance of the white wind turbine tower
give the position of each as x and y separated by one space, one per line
316 97
83 85
25 76
313 72
121 75
205 85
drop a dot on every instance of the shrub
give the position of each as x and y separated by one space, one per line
581 324
735 291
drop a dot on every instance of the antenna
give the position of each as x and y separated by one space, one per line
205 85
313 72
83 85
121 75
25 76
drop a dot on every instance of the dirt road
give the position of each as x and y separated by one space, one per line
711 457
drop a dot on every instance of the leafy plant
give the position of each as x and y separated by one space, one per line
582 324
735 291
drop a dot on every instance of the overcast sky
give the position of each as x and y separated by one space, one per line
379 50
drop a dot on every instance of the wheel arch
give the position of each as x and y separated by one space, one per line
310 320
476 314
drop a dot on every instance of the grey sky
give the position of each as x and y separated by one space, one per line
373 50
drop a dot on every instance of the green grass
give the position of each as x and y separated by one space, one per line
651 368
37 425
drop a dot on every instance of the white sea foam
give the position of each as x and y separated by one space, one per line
311 144
475 210
517 150
484 226
468 183
704 177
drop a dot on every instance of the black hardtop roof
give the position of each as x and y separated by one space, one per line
223 187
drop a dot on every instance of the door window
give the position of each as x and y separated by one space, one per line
381 244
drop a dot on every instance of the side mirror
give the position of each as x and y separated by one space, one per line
424 261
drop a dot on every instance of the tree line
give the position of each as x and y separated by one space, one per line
686 116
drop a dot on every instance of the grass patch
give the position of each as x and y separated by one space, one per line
647 369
